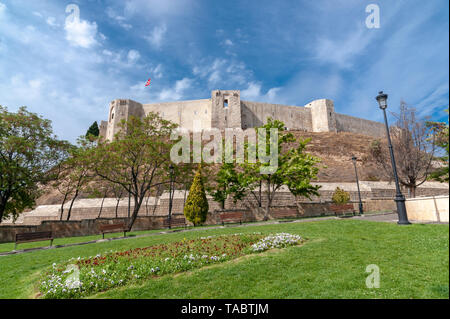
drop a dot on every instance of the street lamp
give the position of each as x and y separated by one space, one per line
399 198
171 168
361 211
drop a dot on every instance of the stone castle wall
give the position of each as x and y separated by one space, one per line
183 113
255 114
225 109
346 123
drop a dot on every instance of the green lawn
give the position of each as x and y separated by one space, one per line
413 261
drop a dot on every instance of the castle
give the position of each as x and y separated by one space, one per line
225 109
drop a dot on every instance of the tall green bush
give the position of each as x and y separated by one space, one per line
196 207
340 196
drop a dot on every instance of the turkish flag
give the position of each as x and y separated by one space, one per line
148 82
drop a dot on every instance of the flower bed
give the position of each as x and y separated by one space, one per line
85 276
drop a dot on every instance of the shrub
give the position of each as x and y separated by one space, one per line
196 207
340 196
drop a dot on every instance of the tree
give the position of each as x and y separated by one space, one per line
340 196
93 130
138 158
225 183
295 169
414 145
298 171
29 152
80 168
196 207
440 129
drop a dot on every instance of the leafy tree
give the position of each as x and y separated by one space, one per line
413 143
340 196
224 184
295 169
196 207
138 158
93 130
299 169
29 152
440 130
79 169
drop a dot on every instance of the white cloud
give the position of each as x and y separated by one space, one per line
157 8
81 33
342 51
119 19
223 72
133 56
228 42
157 71
157 35
253 92
177 91
51 21
37 14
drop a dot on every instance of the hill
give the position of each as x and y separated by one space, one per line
334 149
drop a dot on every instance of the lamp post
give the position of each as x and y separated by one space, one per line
399 198
170 194
361 211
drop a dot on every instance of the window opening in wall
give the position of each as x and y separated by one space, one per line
225 103
195 112
112 116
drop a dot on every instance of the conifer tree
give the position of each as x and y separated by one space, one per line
196 207
93 130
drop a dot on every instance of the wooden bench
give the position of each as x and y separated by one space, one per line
113 228
36 236
343 210
231 218
285 213
169 222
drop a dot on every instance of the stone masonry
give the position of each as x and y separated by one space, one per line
225 109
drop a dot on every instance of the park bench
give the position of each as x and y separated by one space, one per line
231 218
36 236
113 228
170 222
285 213
343 210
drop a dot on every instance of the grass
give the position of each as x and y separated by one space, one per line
6 247
413 262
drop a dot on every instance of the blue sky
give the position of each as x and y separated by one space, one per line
287 52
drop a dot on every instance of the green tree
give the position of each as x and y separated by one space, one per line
196 207
295 168
138 158
225 183
440 131
340 196
93 130
29 154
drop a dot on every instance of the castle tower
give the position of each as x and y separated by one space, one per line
120 110
226 109
323 118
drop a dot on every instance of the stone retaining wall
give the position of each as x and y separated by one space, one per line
85 227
